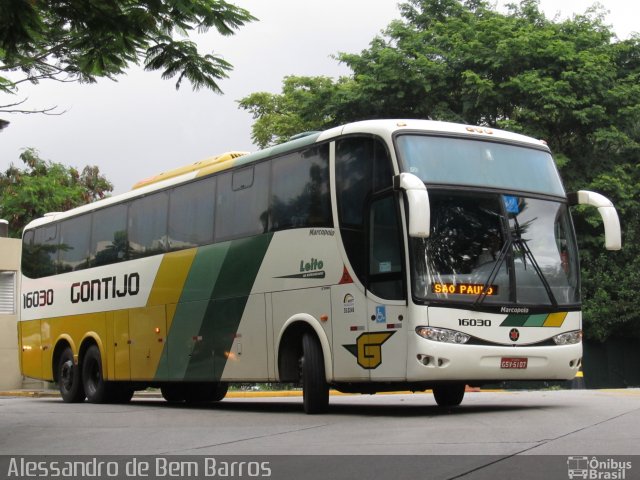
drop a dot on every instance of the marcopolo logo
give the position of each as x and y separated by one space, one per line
595 468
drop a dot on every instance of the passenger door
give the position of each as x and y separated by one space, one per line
386 298
369 304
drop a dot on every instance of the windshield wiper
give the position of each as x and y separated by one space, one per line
494 271
526 251
522 246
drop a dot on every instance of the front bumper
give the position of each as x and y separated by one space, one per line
429 360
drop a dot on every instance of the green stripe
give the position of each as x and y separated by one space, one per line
536 320
514 320
190 311
211 307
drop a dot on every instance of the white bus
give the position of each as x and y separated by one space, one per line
376 256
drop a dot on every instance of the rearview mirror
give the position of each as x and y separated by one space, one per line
612 233
419 216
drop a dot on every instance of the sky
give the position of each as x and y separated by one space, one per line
140 125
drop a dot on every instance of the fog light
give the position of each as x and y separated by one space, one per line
442 335
568 338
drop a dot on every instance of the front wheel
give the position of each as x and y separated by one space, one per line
69 378
449 395
315 390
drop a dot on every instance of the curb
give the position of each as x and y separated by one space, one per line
231 394
30 393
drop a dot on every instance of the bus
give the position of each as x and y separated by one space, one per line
376 256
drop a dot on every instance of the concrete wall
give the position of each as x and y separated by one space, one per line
10 377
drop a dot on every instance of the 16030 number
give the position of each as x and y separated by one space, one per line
474 322
39 298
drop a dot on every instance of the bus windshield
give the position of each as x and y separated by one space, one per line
458 161
490 248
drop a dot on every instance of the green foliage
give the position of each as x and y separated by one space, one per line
43 186
570 82
84 40
305 104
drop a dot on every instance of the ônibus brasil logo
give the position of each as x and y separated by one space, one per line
596 468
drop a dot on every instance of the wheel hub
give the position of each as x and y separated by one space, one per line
66 374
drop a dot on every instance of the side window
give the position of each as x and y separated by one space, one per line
74 243
191 211
385 254
28 260
241 202
40 252
38 259
148 225
109 242
363 167
300 190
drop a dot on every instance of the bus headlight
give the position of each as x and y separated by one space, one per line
442 335
568 338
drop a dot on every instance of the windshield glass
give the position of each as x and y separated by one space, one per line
461 161
489 248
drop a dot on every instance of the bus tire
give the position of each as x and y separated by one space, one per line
69 378
173 393
219 391
315 390
95 387
449 395
119 392
206 392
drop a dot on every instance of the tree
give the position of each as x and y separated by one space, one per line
43 186
569 82
84 40
305 104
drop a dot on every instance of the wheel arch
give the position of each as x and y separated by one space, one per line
89 339
289 346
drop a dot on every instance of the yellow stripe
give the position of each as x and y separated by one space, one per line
169 281
555 319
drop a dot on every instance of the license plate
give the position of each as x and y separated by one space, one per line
514 363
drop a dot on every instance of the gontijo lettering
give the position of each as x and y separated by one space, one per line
105 288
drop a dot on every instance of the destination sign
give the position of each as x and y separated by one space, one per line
464 289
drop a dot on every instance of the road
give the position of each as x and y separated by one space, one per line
487 426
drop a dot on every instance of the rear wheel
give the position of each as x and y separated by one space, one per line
219 391
95 387
205 392
449 395
69 378
195 392
173 393
119 392
315 390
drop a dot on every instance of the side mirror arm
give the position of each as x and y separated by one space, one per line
612 232
419 215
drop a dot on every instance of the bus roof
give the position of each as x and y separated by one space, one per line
383 128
